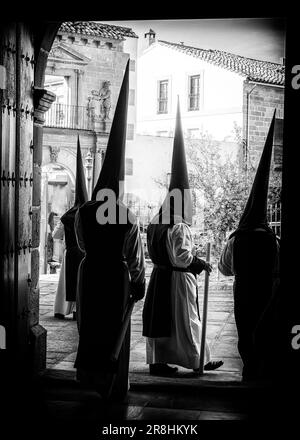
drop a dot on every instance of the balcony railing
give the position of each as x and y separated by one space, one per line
69 116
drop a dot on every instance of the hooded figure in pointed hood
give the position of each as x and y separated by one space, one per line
73 253
177 205
252 256
112 270
171 320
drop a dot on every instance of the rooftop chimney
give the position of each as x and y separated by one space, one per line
151 36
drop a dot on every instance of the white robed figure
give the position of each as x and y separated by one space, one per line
62 307
182 347
171 318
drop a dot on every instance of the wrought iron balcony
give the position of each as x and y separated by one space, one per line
69 116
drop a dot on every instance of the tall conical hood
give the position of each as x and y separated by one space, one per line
179 182
81 194
113 169
255 212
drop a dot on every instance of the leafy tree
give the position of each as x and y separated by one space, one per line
225 185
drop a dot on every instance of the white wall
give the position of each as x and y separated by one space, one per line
151 161
152 157
130 47
221 94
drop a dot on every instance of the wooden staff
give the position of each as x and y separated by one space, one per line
204 314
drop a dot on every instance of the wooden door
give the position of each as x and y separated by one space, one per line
24 170
16 185
8 118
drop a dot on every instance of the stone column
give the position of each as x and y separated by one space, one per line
42 102
89 167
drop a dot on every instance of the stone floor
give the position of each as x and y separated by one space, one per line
66 407
62 336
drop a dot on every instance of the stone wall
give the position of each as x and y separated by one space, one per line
65 138
107 63
259 103
88 62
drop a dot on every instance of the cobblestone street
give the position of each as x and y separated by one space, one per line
62 336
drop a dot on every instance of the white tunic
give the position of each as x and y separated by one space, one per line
62 306
183 346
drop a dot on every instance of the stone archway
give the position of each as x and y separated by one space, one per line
43 36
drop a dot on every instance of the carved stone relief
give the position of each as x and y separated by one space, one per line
104 97
53 153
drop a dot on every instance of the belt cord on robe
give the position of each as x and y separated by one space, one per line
171 268
204 314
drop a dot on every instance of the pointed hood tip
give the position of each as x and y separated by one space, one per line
81 194
255 212
179 176
113 168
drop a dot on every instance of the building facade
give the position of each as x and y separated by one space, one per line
85 71
218 92
229 97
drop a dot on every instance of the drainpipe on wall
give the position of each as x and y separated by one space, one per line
46 225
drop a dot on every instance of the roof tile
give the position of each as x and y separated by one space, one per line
254 70
97 29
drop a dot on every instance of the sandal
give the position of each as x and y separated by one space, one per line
162 369
213 365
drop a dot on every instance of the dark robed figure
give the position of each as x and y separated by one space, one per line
73 253
252 256
64 230
112 270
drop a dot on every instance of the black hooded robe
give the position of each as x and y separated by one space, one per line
73 254
252 256
112 268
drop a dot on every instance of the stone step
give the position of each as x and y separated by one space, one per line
222 382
